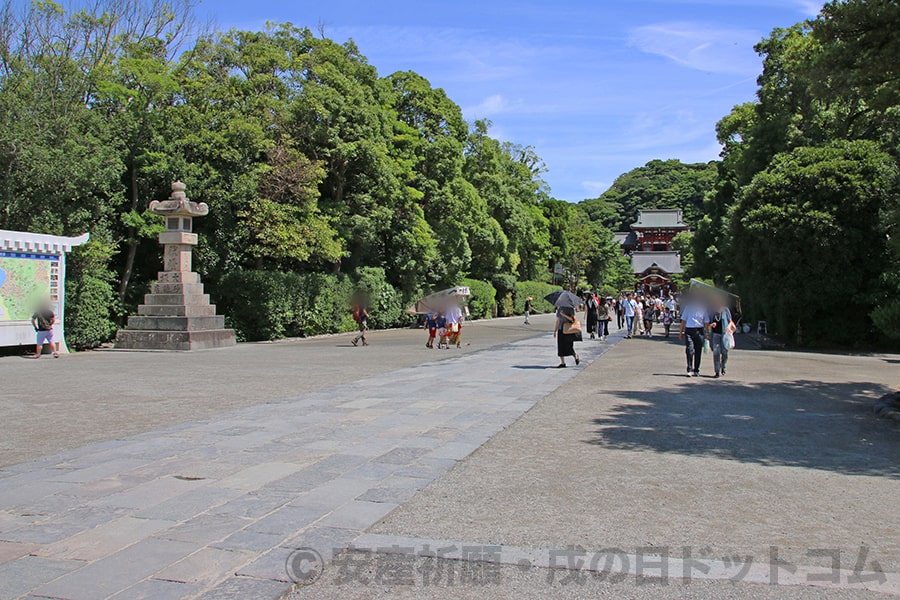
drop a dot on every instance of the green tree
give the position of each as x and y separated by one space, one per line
808 237
658 184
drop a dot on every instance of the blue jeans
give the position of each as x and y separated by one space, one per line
720 353
629 321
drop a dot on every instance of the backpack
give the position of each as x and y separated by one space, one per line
357 313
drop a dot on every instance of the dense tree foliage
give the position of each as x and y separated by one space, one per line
806 198
658 184
313 165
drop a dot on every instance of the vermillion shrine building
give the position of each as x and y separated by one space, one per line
649 246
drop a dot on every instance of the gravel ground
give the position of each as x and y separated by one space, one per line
54 405
785 452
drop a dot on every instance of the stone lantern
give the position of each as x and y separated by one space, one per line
176 315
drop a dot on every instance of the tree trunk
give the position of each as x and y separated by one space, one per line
132 241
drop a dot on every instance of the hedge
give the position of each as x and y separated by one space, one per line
90 298
481 302
386 307
537 290
267 305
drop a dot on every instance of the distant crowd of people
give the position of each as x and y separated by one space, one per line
706 324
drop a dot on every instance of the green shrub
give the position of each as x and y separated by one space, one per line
481 302
386 307
505 285
608 291
537 290
267 305
887 319
506 306
327 306
89 296
88 304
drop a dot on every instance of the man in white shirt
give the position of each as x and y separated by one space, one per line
630 306
694 321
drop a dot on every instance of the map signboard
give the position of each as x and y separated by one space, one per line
26 281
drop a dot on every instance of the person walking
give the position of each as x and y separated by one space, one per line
638 321
694 319
454 324
620 311
528 309
565 342
649 317
603 315
441 322
628 309
721 324
667 320
431 326
591 315
43 321
361 316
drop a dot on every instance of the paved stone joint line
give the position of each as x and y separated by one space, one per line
215 507
616 564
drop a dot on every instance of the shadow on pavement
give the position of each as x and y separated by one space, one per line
800 423
533 367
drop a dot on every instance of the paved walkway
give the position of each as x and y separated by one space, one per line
779 472
212 508
90 397
468 475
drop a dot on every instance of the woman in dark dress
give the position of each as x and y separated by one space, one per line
565 342
590 312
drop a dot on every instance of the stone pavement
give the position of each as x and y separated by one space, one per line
213 507
632 470
57 405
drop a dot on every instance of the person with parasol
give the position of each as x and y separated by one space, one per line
568 328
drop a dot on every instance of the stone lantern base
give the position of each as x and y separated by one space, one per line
176 315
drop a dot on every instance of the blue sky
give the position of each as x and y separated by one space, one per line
597 87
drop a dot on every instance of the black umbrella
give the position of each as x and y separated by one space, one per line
563 299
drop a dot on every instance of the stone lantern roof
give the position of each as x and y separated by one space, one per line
178 204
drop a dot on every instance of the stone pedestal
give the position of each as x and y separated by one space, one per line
176 314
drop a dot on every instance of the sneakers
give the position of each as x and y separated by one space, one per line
56 355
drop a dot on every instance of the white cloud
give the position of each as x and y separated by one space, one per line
809 7
595 188
703 48
493 105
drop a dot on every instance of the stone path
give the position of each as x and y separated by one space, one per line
781 471
94 396
213 508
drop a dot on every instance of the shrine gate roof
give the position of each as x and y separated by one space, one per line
659 219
